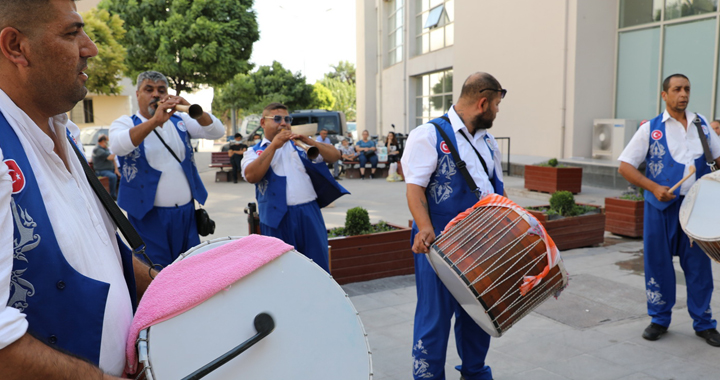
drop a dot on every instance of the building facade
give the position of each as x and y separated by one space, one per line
564 63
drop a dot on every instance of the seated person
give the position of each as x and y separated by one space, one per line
236 151
366 148
393 148
348 154
104 164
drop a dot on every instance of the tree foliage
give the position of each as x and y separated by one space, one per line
192 42
344 71
344 94
105 70
322 97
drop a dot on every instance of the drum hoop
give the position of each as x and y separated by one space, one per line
143 342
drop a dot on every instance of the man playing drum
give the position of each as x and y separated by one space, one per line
290 189
436 193
670 145
67 280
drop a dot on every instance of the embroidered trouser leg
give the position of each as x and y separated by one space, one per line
663 238
167 232
433 314
304 228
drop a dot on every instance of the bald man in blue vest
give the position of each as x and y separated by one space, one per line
436 193
670 144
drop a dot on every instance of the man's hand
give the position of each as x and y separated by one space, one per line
304 139
281 138
663 194
423 240
165 109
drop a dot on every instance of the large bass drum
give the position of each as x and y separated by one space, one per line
699 214
318 333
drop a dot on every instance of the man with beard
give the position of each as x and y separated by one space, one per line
66 281
670 144
436 193
159 179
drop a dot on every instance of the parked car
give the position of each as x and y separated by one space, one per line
333 121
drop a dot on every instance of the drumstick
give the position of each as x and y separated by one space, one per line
691 172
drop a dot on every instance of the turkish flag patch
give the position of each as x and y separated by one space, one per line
18 178
444 148
656 135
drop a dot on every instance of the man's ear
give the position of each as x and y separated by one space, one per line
481 104
664 96
13 45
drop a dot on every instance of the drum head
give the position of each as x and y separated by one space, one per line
318 334
700 209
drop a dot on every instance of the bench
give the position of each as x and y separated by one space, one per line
221 160
352 169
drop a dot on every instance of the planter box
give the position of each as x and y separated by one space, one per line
549 179
576 231
624 217
373 256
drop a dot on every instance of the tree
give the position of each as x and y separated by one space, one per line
192 42
344 71
105 70
344 94
322 97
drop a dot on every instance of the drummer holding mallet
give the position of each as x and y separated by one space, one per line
436 193
672 149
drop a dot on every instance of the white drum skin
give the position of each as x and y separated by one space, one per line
318 333
699 214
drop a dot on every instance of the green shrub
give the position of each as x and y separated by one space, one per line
562 202
553 162
357 221
633 194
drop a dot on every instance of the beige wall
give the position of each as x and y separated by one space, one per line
393 95
367 64
86 5
522 45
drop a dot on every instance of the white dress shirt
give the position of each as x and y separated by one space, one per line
420 158
684 145
286 163
83 230
173 188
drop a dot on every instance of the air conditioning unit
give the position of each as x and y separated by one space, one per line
610 136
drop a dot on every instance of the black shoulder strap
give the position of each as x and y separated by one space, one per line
703 139
458 162
482 161
126 229
166 146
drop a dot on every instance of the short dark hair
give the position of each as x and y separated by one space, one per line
479 81
238 135
102 138
666 82
274 106
30 14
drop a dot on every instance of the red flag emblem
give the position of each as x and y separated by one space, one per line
444 148
18 178
656 135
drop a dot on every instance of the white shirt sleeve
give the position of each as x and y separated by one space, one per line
13 324
211 132
636 150
120 142
420 157
248 157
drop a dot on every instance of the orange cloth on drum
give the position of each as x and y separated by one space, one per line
496 200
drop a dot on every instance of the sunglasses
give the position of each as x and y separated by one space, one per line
278 119
502 91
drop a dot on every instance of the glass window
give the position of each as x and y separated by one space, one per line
689 50
636 12
433 95
682 8
637 74
434 25
395 34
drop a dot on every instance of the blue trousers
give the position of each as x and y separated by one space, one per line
435 308
167 232
664 238
363 159
112 179
303 227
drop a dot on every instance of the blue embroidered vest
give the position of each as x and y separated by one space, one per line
271 191
662 168
139 181
63 307
447 192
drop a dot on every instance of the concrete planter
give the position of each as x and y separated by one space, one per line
624 217
549 179
372 256
575 231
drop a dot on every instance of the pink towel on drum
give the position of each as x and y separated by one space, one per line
189 282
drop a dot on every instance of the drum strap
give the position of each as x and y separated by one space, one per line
459 163
703 139
123 224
